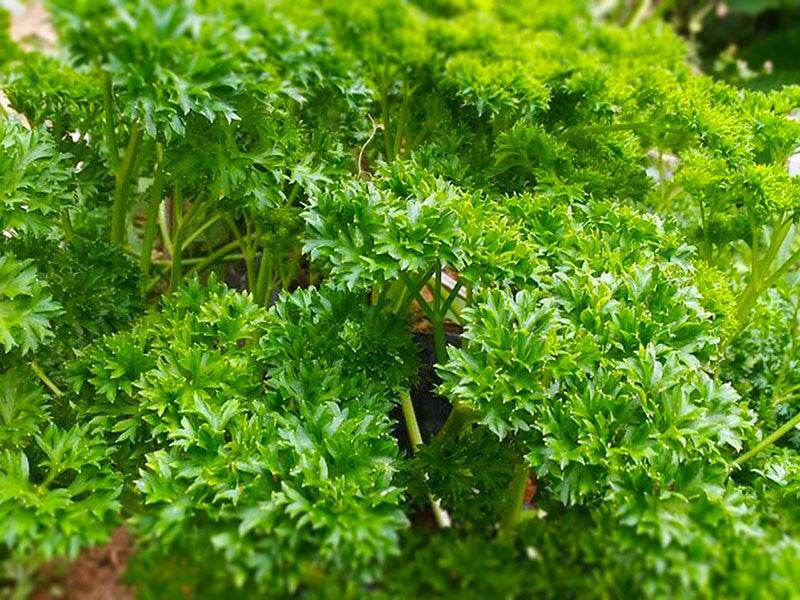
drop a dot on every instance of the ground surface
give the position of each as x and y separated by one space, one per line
95 575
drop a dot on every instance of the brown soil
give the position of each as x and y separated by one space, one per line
95 575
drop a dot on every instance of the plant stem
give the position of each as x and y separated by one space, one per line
402 118
129 501
385 116
412 426
412 290
460 417
782 270
247 249
110 131
516 498
439 339
162 225
637 14
776 244
45 379
414 435
770 439
747 300
452 297
360 158
416 295
437 290
195 261
215 256
177 242
152 211
197 232
119 209
760 278
262 279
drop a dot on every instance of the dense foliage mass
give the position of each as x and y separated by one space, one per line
221 222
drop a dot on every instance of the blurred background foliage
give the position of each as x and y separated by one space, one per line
752 43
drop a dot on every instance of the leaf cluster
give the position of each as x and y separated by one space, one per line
259 433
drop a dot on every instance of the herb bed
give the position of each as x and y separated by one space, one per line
398 299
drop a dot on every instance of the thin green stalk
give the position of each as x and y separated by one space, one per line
215 256
250 261
264 272
439 339
51 475
199 231
45 379
415 437
437 291
412 426
452 297
166 264
166 238
153 203
516 498
782 270
195 211
177 242
119 209
131 252
404 299
151 284
775 245
385 112
247 250
292 195
637 14
440 311
415 293
288 270
129 501
407 296
455 312
110 131
402 118
760 279
460 417
747 300
755 264
360 157
769 440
